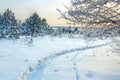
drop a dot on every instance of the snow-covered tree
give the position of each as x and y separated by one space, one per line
1 26
1 19
9 24
93 12
9 18
14 32
34 25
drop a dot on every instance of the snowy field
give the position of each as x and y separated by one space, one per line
58 59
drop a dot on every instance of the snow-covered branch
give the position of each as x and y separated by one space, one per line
93 12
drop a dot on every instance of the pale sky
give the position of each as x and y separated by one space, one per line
45 9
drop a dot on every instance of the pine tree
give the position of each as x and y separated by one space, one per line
1 19
9 18
34 25
10 24
1 26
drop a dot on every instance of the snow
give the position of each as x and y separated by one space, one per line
54 58
82 65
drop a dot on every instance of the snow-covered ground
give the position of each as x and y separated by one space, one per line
58 59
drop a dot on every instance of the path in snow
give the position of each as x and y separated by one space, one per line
76 67
35 72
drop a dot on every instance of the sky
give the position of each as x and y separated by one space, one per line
45 9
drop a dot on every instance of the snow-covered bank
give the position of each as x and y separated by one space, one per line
16 57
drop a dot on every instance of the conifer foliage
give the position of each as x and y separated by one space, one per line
34 25
10 27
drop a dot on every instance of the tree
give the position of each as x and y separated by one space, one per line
93 12
1 19
1 26
8 24
45 26
9 18
34 25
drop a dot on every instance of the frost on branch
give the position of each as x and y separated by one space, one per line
93 12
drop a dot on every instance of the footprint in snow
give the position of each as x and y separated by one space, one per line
71 59
118 62
1 56
26 60
67 56
89 74
56 70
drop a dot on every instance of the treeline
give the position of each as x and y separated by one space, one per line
34 26
10 27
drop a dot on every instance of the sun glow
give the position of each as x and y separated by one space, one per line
45 9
